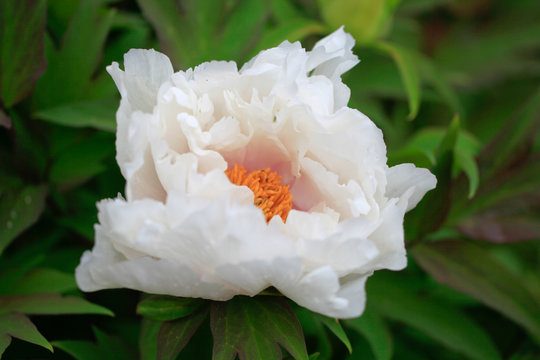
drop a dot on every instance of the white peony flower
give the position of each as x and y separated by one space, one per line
239 180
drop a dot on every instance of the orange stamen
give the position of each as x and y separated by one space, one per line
269 195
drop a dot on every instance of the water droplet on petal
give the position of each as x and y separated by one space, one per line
13 214
9 224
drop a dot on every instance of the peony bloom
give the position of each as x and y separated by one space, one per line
238 180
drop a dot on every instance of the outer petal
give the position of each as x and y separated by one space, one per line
403 177
323 292
170 249
331 57
389 238
177 232
145 72
145 273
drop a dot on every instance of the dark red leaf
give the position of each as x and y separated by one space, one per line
472 270
5 120
22 43
501 229
174 335
253 328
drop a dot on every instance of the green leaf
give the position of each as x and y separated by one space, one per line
68 67
241 27
203 22
436 203
18 211
196 31
364 19
313 328
426 141
44 281
471 270
412 154
164 308
284 10
184 31
336 329
374 329
82 223
132 31
253 328
19 326
30 153
81 161
174 335
80 350
5 340
420 6
491 53
430 72
467 163
22 55
50 304
59 13
98 114
394 299
293 30
114 346
409 74
9 182
163 15
148 338
106 348
12 275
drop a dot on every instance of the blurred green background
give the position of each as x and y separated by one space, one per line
454 85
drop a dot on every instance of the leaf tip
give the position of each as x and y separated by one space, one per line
456 121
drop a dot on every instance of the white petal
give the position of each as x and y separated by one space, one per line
389 239
144 182
320 291
147 274
145 72
403 177
331 57
316 184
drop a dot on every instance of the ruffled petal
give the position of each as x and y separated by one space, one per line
145 72
403 177
331 57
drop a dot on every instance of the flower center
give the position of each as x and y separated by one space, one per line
269 195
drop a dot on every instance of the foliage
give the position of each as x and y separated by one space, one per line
471 289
